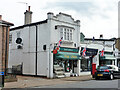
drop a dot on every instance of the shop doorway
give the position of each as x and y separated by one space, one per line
68 65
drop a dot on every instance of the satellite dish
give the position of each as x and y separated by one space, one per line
19 40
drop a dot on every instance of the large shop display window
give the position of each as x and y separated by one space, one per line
106 62
85 65
68 65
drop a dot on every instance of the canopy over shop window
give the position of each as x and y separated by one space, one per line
67 55
107 57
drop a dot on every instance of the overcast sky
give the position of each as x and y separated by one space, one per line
96 16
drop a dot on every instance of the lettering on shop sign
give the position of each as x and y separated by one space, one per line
67 56
69 49
73 56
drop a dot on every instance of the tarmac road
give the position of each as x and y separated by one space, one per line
87 84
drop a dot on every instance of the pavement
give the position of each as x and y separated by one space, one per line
30 81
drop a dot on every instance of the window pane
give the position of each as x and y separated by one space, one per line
67 34
70 36
10 38
61 32
64 35
65 30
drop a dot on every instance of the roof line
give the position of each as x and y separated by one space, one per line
32 24
100 39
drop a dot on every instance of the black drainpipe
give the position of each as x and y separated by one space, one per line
6 49
36 53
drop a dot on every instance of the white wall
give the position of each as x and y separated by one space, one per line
25 55
43 39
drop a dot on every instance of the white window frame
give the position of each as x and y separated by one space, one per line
66 33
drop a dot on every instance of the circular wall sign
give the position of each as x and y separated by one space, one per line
55 51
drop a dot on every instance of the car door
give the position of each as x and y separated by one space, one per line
116 73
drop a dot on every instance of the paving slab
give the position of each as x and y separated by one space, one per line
28 81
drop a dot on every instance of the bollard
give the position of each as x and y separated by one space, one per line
1 79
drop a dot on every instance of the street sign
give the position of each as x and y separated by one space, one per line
1 73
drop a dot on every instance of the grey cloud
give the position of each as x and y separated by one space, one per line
80 7
83 8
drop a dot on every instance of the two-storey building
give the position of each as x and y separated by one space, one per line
32 45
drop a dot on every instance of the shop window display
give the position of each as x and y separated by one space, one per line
85 65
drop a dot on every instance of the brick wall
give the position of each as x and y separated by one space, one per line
118 44
4 47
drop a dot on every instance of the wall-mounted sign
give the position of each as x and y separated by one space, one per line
89 51
63 49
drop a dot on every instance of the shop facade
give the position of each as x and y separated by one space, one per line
39 39
107 59
88 59
98 45
69 60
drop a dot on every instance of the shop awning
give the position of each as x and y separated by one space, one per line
107 57
67 55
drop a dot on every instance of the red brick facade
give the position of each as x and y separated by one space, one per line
4 43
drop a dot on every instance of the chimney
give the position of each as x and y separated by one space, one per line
101 36
50 15
29 8
0 17
28 16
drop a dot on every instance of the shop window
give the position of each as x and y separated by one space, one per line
106 62
85 65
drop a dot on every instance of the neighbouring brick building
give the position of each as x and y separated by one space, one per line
4 43
118 44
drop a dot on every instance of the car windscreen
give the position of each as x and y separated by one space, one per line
103 67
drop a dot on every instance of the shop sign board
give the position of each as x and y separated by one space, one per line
75 50
65 55
90 51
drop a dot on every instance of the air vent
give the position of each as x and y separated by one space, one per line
18 40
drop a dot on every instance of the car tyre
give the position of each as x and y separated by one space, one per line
111 77
97 78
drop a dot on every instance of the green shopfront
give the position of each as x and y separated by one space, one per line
68 59
107 59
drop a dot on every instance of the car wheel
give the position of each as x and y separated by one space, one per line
111 77
97 78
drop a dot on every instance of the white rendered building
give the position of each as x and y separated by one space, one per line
31 46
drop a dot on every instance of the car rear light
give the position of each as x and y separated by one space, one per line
106 70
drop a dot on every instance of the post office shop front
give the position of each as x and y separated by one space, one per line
68 59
